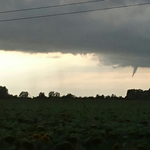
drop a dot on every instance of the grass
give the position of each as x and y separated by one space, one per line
74 125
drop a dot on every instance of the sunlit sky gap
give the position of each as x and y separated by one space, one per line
82 75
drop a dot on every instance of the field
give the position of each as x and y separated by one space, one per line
74 125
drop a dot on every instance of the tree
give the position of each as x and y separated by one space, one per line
3 92
23 94
113 96
57 94
41 95
134 94
69 95
53 94
107 97
101 97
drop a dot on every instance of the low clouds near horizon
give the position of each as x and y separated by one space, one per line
121 37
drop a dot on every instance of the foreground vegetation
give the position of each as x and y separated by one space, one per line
74 125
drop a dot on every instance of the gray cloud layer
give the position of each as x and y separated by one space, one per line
120 36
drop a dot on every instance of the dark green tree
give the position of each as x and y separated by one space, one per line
69 95
41 95
3 92
53 94
24 94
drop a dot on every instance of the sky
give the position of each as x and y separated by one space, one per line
102 52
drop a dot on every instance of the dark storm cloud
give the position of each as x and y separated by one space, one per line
120 36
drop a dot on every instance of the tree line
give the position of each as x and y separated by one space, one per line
132 94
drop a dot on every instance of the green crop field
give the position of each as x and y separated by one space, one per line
74 125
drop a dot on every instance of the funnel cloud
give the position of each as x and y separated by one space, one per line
134 71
